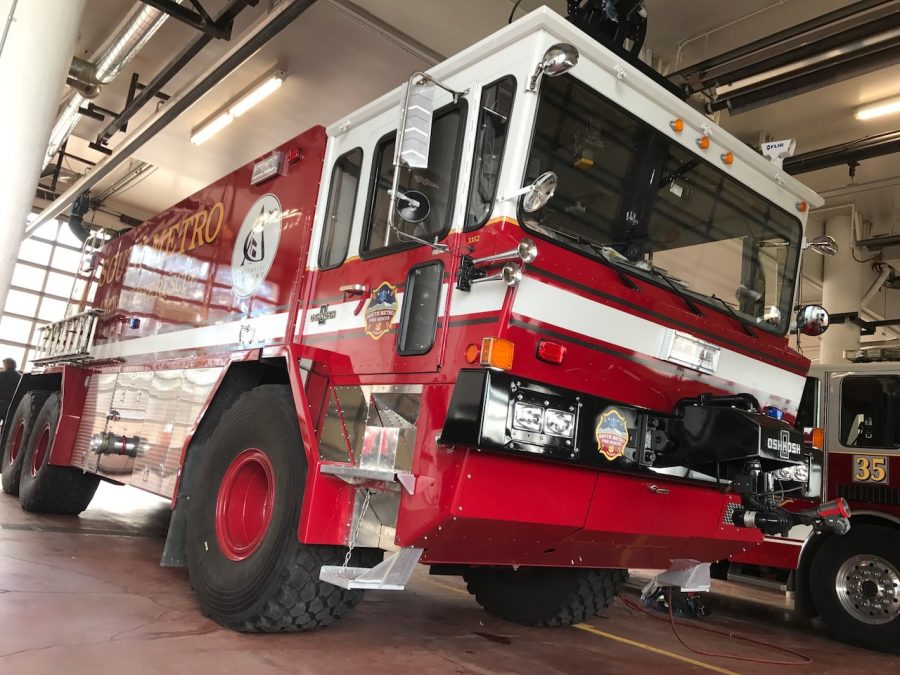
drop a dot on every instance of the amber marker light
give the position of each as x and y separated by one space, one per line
728 158
677 125
497 353
802 207
817 438
703 142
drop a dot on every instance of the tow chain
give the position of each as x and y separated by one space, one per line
355 533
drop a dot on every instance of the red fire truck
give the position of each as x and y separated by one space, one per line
852 582
356 346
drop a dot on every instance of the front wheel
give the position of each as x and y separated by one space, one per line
248 568
544 596
855 586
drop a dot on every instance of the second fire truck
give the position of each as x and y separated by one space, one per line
530 331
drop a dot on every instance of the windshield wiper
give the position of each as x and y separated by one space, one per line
671 284
598 249
749 331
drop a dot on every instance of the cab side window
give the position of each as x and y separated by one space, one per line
870 411
490 142
426 196
339 212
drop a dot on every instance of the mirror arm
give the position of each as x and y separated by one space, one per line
428 78
515 195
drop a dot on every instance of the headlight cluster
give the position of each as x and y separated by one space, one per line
530 417
798 473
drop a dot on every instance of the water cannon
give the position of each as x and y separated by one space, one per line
777 151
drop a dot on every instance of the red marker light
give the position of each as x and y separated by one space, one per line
551 352
293 155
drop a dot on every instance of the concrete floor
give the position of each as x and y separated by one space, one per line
85 595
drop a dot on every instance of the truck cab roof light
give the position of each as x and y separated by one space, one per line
497 353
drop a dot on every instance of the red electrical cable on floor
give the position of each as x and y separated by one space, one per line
805 660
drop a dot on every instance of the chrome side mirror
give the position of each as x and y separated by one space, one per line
812 320
557 60
823 245
540 192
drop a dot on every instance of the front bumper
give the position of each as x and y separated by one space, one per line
713 439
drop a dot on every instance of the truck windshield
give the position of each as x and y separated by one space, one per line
630 195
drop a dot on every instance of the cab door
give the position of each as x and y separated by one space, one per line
378 298
863 438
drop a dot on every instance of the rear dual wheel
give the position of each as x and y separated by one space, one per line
14 447
248 568
44 488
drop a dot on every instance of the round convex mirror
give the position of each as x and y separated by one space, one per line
541 190
413 206
812 320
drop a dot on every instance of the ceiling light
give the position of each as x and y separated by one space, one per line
238 106
888 107
257 93
208 129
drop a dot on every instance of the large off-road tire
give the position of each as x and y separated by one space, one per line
855 585
248 568
544 596
19 424
51 489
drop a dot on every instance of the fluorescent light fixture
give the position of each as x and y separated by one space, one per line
209 129
238 106
887 107
257 93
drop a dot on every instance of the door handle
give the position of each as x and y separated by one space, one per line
655 489
354 289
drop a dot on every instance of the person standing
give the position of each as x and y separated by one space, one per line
9 380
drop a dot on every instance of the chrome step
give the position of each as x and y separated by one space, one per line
392 574
354 475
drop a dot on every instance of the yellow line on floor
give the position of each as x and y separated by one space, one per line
456 589
655 650
609 636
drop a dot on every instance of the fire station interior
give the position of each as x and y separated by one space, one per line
116 110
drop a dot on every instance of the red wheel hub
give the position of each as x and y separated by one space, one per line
40 450
16 442
244 504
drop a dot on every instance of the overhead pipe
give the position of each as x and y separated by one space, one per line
699 70
162 78
108 61
851 152
258 35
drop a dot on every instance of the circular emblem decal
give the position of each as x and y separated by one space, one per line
255 245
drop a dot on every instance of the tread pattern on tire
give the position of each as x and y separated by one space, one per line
292 598
303 602
36 398
56 489
592 592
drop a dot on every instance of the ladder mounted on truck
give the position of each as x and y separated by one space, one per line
68 340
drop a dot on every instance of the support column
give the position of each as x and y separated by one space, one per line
842 289
35 52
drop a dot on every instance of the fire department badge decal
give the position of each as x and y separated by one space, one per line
611 433
381 310
255 245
